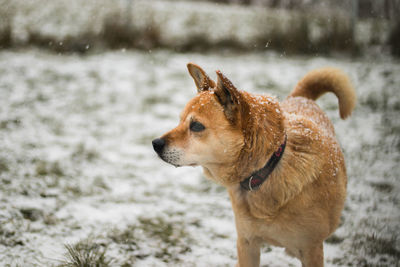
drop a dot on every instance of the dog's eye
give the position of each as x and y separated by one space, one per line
196 126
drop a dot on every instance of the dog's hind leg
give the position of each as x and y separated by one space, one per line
248 252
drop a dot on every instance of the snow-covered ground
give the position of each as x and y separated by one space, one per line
76 162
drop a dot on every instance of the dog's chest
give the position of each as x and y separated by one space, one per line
252 227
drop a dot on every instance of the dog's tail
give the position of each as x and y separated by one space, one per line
320 81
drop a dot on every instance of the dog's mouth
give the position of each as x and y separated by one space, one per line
173 159
177 165
169 161
173 162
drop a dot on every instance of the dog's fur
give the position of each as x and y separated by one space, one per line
300 203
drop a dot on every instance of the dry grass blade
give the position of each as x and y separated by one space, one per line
85 254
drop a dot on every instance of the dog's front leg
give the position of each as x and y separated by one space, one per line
248 252
313 256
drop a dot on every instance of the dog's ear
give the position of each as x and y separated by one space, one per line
228 96
201 79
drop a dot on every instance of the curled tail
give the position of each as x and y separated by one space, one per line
320 81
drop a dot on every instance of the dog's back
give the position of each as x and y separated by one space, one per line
312 86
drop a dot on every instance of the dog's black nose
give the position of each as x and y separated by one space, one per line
158 145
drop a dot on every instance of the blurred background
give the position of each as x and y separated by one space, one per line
290 26
85 85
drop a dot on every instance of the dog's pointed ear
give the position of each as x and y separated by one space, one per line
227 95
200 77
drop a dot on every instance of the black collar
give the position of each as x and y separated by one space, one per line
257 178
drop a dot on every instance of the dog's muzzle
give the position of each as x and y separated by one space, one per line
170 155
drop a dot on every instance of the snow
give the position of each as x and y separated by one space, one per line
75 145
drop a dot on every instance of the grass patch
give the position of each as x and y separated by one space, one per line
86 253
382 187
380 252
5 36
159 228
10 238
171 235
153 237
334 239
44 168
152 100
32 214
82 152
394 39
374 245
10 123
125 237
3 166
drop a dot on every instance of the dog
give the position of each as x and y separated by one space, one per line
279 161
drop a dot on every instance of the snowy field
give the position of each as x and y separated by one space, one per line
77 167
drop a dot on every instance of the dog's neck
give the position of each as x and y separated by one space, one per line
257 178
263 134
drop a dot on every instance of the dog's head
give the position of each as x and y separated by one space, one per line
213 128
208 131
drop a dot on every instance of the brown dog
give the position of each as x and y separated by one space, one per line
280 162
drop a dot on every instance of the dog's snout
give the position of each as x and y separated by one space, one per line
158 145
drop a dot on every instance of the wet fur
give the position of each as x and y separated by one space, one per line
299 205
